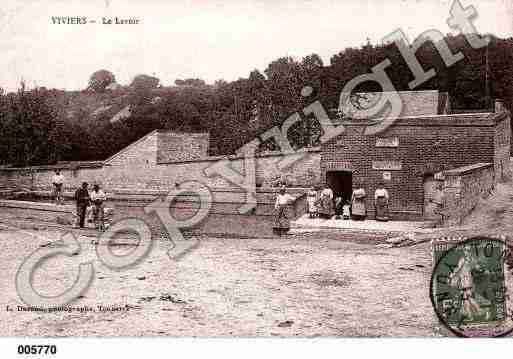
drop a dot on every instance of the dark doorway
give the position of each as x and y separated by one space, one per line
341 182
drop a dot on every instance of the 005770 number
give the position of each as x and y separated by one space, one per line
37 349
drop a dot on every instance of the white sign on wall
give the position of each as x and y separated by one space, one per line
339 166
387 142
387 165
387 176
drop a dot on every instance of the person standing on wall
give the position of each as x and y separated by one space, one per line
98 197
58 181
82 198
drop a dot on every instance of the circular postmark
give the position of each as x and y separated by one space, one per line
469 287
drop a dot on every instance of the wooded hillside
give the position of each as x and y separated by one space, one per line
42 126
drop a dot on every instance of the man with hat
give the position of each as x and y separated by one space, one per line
82 198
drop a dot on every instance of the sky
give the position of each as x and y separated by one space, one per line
205 39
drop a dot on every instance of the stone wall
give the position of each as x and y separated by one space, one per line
139 167
502 143
40 178
173 146
223 216
463 188
166 175
136 168
142 153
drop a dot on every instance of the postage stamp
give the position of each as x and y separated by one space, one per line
468 287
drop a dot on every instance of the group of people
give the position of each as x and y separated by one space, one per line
89 204
91 201
322 204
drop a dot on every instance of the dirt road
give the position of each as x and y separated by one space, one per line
305 285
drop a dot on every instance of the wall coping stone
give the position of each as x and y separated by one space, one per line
147 195
273 190
466 169
50 207
240 157
485 119
66 166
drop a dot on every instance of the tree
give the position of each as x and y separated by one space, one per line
144 82
190 82
285 84
32 129
100 79
312 62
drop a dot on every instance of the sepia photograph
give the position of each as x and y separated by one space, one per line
255 169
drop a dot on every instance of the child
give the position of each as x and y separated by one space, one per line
338 207
311 198
89 213
345 210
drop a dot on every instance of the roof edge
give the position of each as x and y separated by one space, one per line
106 162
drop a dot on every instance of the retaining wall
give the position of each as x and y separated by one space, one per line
463 188
142 172
223 217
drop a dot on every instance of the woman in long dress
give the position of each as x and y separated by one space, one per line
358 209
381 203
326 203
282 221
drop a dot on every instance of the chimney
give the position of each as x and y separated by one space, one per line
499 106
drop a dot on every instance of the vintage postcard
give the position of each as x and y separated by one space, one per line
269 169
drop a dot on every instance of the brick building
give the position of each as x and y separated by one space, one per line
408 155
